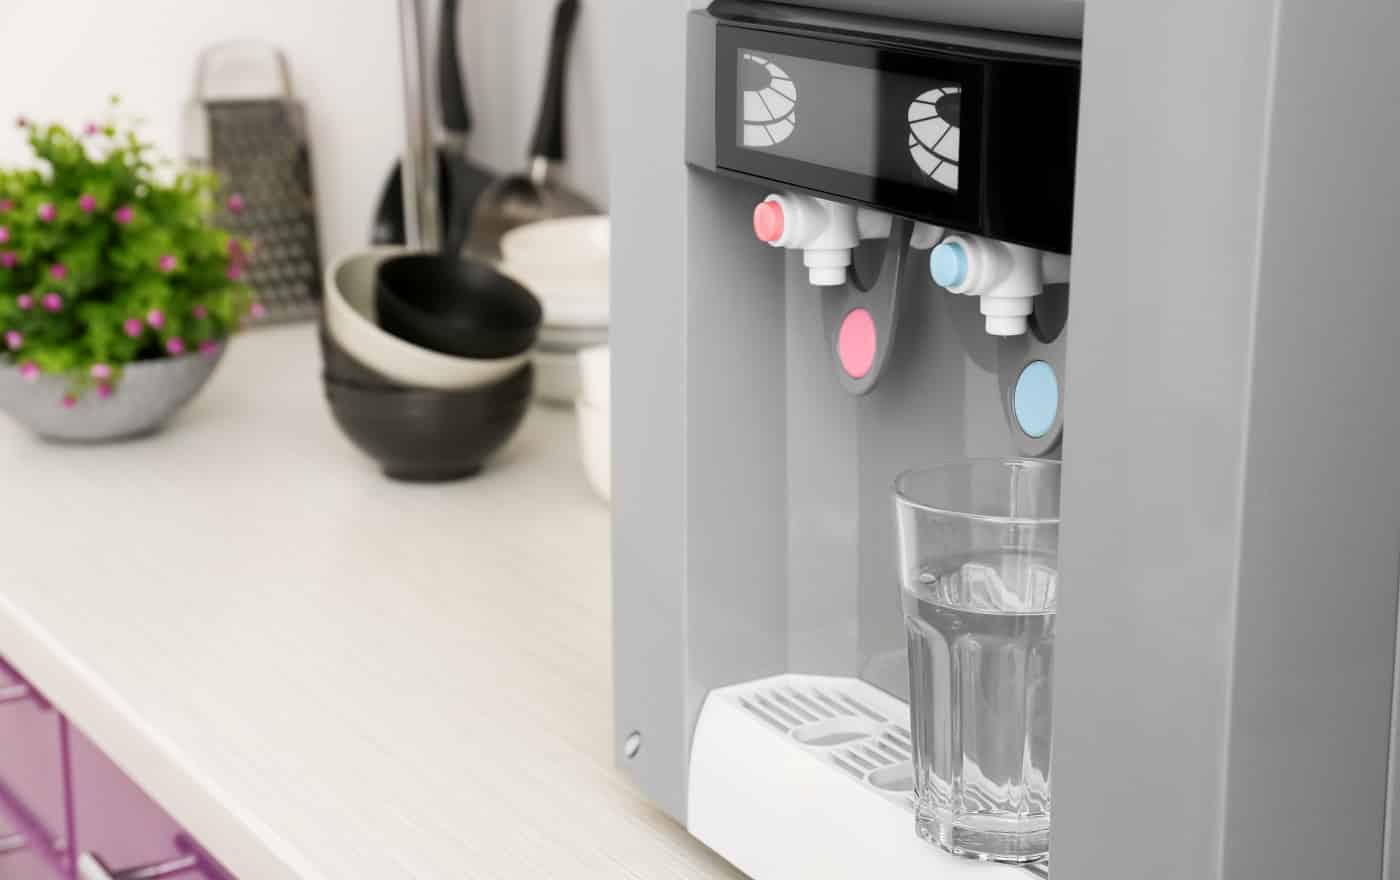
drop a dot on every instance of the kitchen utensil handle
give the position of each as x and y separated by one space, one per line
91 868
452 86
418 171
247 51
548 142
15 693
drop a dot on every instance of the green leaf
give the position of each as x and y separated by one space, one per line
113 269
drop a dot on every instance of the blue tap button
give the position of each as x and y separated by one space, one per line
948 263
1036 399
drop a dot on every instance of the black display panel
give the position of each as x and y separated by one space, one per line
966 137
767 100
869 123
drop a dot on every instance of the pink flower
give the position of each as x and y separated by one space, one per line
8 259
133 327
29 371
258 311
168 263
124 215
208 348
69 401
175 345
101 371
91 128
156 318
14 340
47 212
6 206
25 301
200 312
234 271
235 249
52 302
58 271
87 202
236 203
104 390
4 234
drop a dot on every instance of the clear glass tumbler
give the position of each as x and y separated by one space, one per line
979 572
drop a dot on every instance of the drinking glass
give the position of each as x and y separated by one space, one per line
979 574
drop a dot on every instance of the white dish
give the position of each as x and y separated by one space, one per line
351 319
595 446
595 370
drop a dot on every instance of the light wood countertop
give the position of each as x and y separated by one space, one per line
321 673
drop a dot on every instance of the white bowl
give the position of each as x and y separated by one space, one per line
568 241
571 339
564 263
572 296
595 370
595 445
556 376
351 319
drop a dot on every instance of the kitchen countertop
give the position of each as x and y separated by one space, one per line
319 672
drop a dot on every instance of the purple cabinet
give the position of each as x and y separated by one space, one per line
33 824
57 786
26 864
112 816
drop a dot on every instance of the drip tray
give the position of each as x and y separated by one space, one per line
802 777
872 745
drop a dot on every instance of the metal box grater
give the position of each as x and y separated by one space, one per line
246 127
259 150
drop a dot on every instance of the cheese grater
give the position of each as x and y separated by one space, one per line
244 124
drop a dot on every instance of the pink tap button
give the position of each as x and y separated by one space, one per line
856 343
768 221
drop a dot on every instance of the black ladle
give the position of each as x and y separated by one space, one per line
460 181
526 198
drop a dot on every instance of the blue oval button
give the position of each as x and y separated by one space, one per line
1037 399
948 264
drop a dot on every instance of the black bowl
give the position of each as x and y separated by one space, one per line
431 436
455 306
341 366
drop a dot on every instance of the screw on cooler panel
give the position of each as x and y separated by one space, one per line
825 231
1007 277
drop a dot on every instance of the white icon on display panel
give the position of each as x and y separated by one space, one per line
770 112
935 134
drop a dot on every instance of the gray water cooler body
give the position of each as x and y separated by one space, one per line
1224 685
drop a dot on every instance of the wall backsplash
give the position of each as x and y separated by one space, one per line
63 57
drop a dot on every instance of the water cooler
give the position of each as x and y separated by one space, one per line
1152 239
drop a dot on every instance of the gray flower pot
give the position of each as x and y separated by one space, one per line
149 393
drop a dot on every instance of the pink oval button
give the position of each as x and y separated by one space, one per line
768 220
856 342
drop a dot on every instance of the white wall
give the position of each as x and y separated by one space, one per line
61 58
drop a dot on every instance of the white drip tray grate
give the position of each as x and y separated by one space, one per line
871 745
802 777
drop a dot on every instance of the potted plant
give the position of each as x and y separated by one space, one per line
118 291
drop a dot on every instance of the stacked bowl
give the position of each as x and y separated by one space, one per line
564 263
426 360
594 406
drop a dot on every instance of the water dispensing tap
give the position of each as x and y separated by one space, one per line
825 231
1007 277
